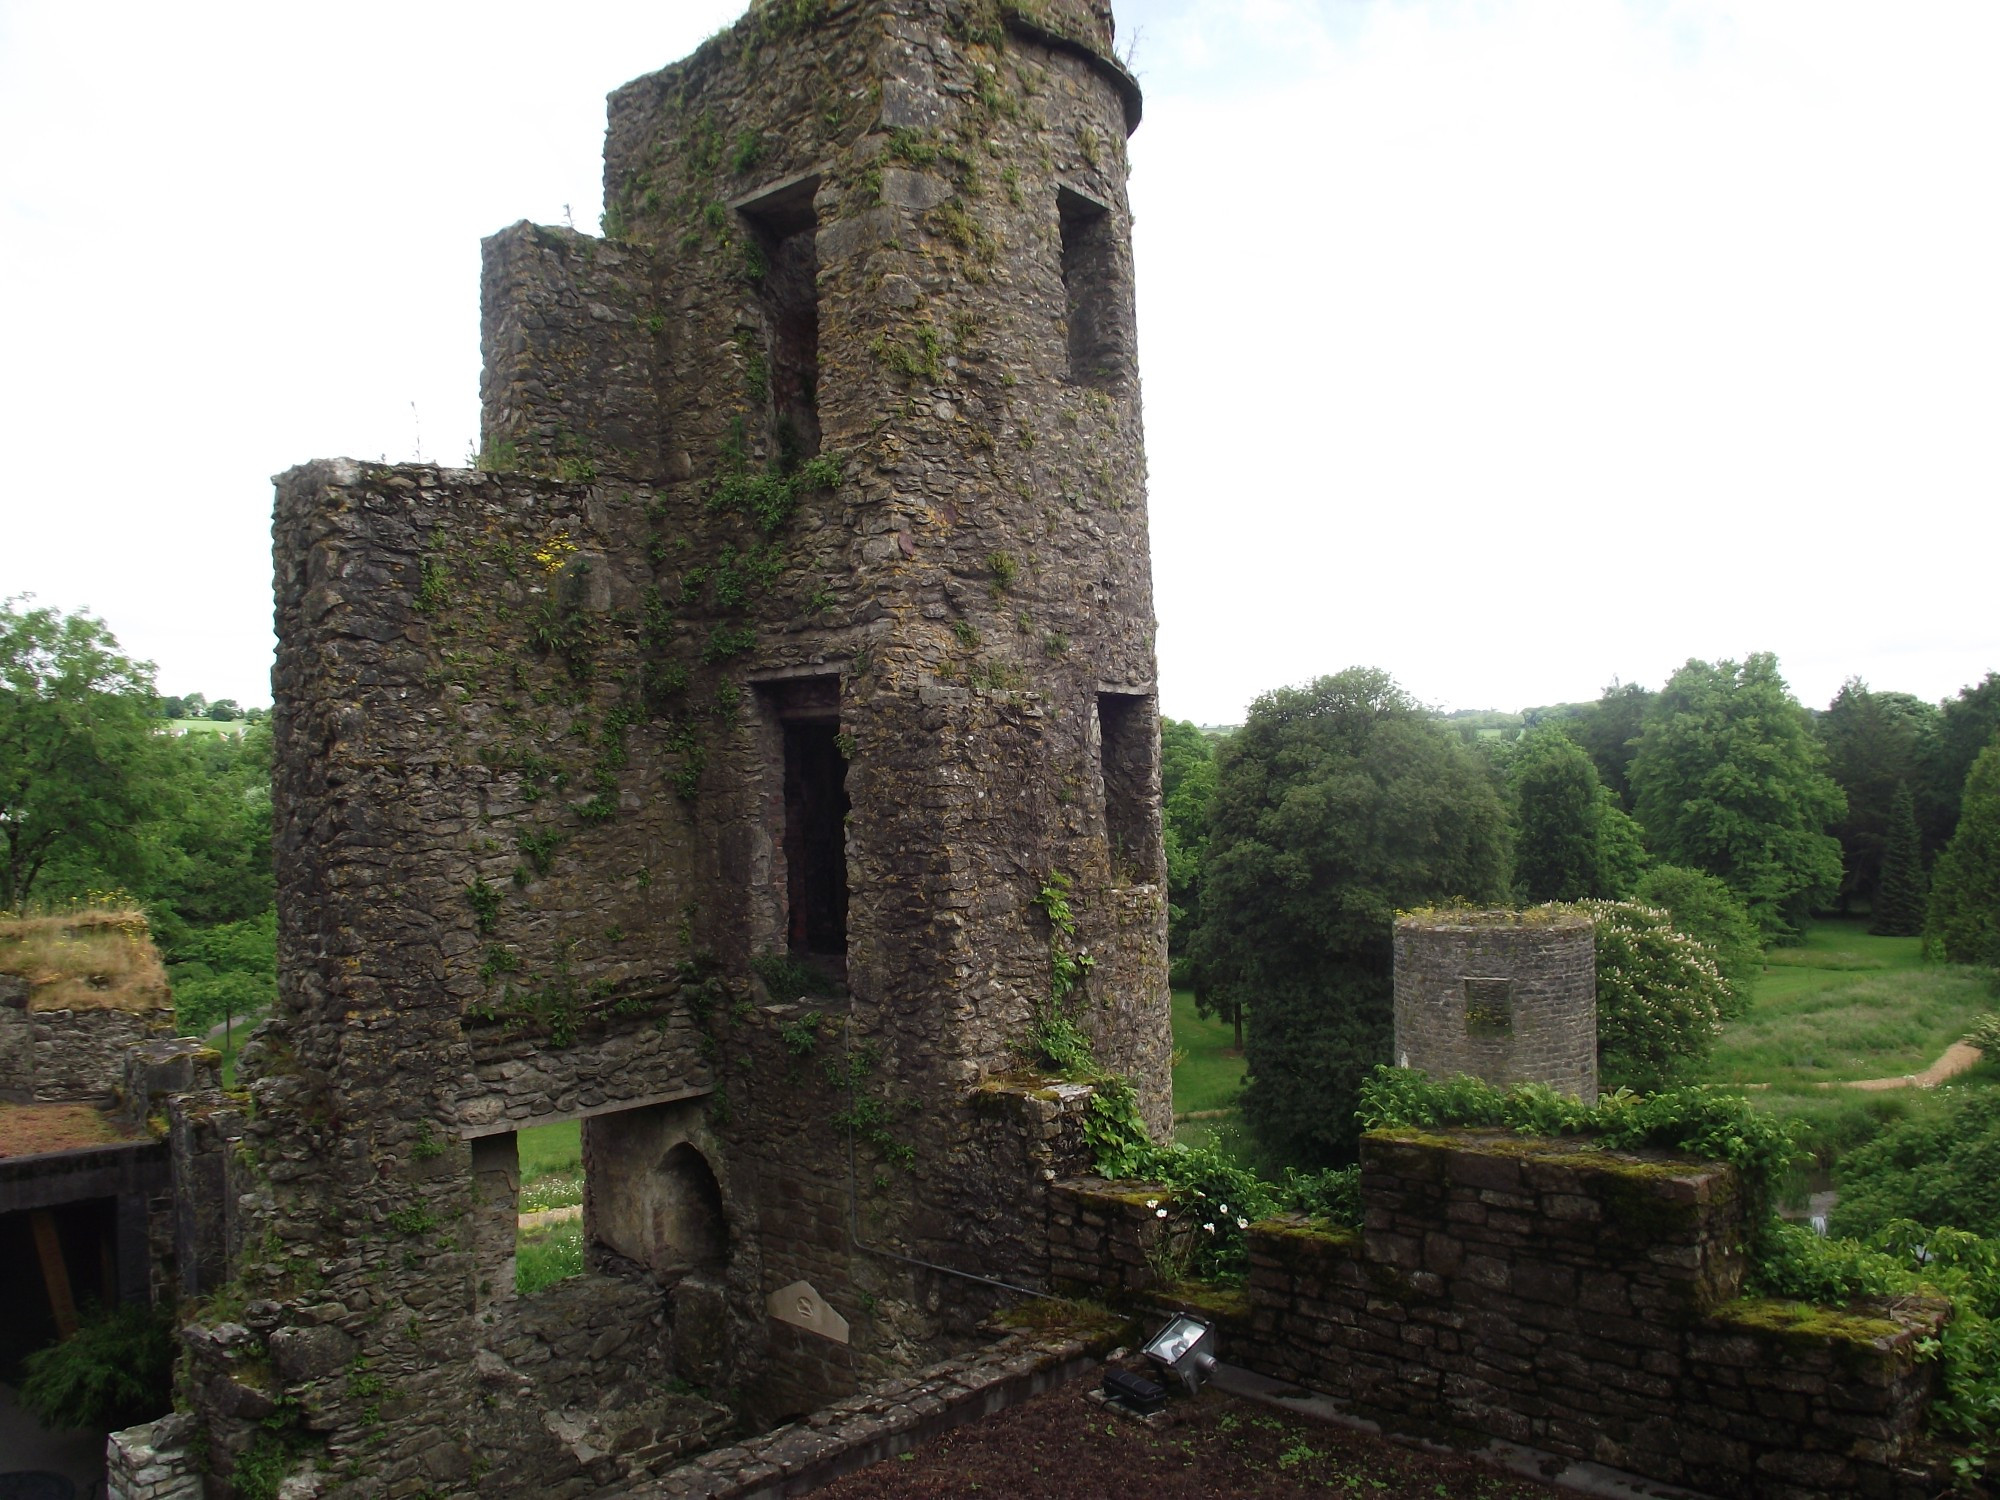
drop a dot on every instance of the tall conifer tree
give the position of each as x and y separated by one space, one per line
1899 901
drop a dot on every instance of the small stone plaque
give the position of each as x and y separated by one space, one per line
802 1307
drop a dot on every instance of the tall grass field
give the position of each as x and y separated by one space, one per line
1846 1005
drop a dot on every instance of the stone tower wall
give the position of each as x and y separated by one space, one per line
821 477
1510 997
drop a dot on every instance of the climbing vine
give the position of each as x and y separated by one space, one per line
1056 1036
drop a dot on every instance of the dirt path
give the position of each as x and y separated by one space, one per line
1954 1060
550 1216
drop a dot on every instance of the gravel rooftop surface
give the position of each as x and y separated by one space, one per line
1065 1445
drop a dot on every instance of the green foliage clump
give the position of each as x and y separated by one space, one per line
1964 920
1940 1164
1335 806
114 1371
791 978
1706 909
1661 998
768 500
1062 1044
1729 779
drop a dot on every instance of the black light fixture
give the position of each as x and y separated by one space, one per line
1184 1349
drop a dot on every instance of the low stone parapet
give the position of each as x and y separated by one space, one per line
1582 1302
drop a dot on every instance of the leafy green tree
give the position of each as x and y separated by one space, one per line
1729 779
196 706
1661 998
207 851
1621 849
1707 910
1187 782
1571 839
1940 1164
224 711
1555 787
1964 921
1609 730
1874 743
1900 895
1335 805
173 708
78 754
1965 726
225 971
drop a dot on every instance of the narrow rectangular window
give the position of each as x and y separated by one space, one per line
782 259
1128 758
815 839
812 780
1098 346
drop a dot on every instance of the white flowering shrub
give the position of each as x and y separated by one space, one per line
1661 998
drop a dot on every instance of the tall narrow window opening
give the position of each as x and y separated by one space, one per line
815 839
1128 751
1097 345
784 232
806 819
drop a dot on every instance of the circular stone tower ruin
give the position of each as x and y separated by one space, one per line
1506 996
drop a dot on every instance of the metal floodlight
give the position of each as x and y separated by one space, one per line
1184 1349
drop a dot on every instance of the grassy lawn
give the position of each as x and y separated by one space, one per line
1846 1005
551 1177
1208 1074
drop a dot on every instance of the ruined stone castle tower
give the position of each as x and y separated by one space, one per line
744 759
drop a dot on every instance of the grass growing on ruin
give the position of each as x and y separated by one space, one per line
542 1257
1847 1005
96 958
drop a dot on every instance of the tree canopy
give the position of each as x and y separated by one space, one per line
1609 731
1729 779
1705 909
1965 726
1964 921
1875 742
1335 805
1187 782
1571 838
78 753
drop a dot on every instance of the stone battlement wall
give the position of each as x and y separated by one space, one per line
1573 1300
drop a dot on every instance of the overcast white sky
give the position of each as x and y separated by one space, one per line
1510 346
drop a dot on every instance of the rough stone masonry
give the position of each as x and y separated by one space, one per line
707 765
